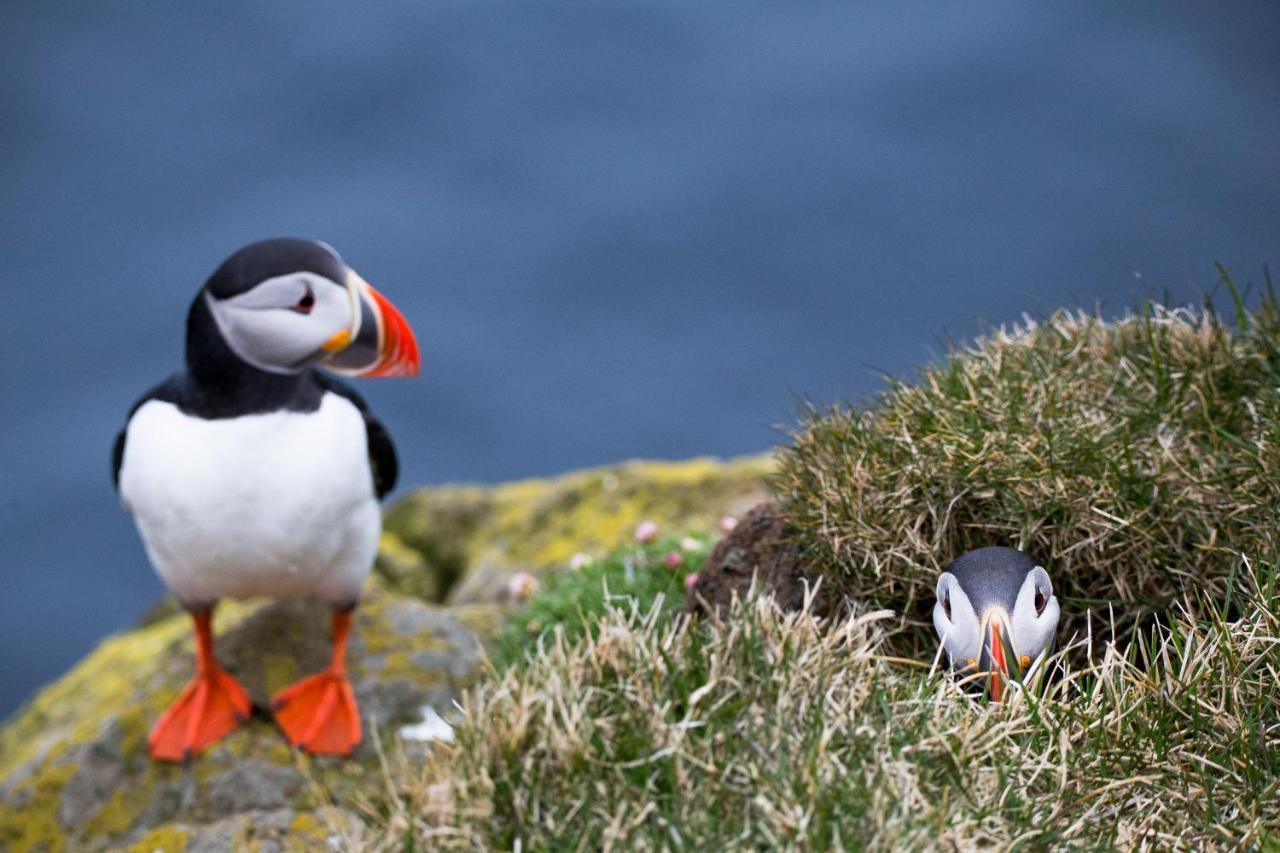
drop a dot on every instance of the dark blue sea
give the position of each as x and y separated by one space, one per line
621 229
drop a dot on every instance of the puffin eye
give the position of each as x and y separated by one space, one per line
306 303
946 605
1041 601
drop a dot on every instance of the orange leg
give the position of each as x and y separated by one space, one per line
206 710
319 713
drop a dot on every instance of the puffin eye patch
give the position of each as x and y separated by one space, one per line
946 605
1041 601
306 302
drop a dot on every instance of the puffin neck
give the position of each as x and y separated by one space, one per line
225 385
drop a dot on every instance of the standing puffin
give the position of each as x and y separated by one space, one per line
996 614
252 474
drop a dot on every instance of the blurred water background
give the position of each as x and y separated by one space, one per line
621 229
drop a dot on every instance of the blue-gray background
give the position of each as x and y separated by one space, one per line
620 229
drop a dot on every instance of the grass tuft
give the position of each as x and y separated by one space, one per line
572 599
775 730
1134 458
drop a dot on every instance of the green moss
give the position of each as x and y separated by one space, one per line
573 601
166 839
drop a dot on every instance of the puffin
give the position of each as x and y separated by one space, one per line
252 473
995 615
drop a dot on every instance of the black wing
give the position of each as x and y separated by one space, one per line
117 458
382 453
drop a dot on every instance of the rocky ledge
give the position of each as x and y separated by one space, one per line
74 773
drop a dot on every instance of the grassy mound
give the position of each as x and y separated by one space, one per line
637 576
1134 458
773 731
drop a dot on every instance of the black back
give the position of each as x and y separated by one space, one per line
992 575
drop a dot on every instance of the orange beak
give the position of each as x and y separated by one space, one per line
382 344
397 347
999 666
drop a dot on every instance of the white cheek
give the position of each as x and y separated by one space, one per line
332 311
961 635
1032 634
279 339
964 641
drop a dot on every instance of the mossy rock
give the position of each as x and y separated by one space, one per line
74 771
469 539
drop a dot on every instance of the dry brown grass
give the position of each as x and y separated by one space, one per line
773 730
1138 459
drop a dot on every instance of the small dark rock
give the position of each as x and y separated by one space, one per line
761 546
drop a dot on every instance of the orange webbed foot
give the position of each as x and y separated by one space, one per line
208 709
319 714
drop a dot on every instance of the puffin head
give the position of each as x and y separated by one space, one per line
995 614
285 305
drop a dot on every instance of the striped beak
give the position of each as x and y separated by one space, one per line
380 342
997 652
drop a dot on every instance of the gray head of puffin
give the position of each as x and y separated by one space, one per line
284 305
995 614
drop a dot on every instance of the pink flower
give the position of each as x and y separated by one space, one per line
673 560
521 586
646 532
690 581
728 523
579 561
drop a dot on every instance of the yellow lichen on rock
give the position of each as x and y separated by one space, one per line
76 772
471 538
166 839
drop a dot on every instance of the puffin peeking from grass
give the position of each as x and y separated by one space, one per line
995 614
253 474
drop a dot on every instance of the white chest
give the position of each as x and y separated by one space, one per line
279 504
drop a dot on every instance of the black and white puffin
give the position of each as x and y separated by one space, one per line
251 473
995 614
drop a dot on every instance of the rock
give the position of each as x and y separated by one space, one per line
74 773
407 571
472 539
759 547
266 831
